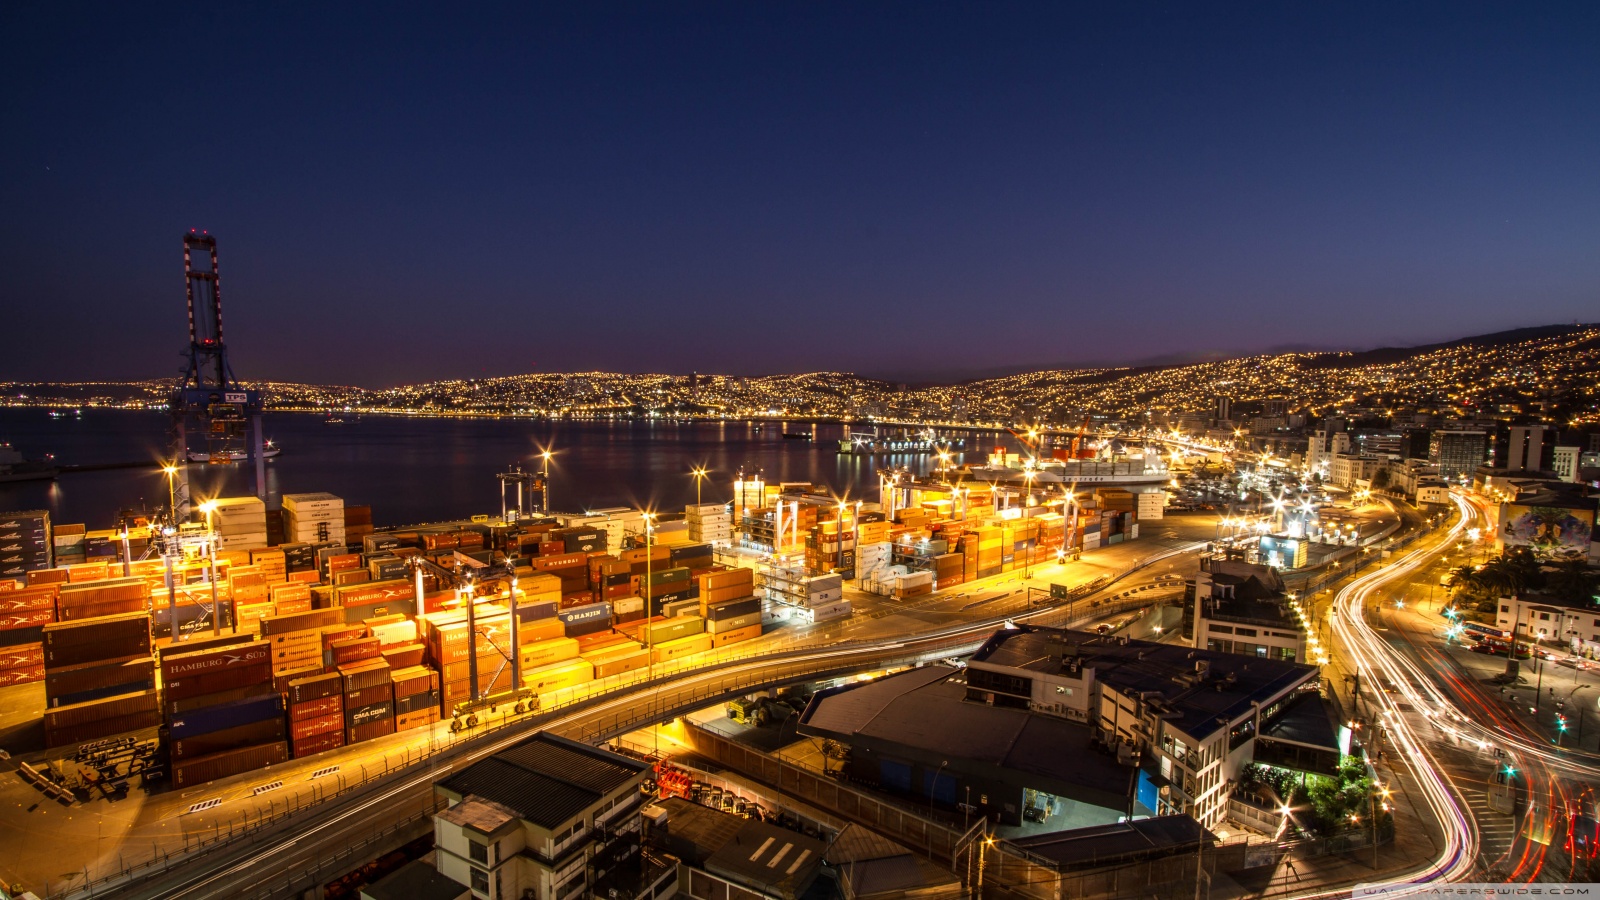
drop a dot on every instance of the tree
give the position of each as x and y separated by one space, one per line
1464 579
1511 574
1574 580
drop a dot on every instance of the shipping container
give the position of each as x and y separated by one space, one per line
369 731
558 675
316 709
319 743
266 731
207 719
223 765
171 707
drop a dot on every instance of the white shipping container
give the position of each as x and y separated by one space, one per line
837 610
823 598
309 502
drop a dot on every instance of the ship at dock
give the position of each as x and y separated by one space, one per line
16 467
1144 467
268 451
871 443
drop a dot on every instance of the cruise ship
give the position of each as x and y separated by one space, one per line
1144 468
871 443
268 451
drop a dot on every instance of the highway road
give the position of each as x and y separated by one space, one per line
1459 737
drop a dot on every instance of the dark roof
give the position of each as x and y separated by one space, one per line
545 779
1307 720
871 864
1198 706
416 880
773 860
1106 844
920 713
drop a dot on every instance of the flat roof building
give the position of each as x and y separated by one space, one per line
1064 728
533 816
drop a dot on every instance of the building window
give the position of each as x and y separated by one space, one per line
1245 632
477 852
480 881
1544 617
1505 608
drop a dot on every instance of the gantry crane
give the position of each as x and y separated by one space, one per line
215 420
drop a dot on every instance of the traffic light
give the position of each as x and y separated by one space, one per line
1561 722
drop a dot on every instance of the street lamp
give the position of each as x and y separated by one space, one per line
699 474
171 471
208 508
649 609
544 476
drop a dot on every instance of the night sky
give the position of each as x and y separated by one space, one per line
909 190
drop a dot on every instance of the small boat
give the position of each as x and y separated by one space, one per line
798 436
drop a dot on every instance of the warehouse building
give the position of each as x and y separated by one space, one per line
1065 729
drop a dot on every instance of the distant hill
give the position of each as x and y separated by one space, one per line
1383 356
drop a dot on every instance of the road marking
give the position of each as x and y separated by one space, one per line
204 805
269 786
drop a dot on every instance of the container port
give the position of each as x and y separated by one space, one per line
258 635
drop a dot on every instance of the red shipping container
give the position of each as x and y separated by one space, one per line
364 675
216 682
66 735
315 687
28 599
403 656
21 656
282 677
257 689
320 743
306 728
97 675
31 618
105 708
416 680
378 693
369 731
22 675
334 635
453 692
232 762
183 665
354 650
315 709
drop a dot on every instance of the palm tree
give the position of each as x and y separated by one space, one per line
1511 574
1464 579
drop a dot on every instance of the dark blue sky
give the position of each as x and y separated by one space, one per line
408 193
